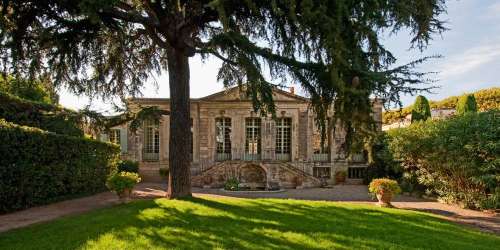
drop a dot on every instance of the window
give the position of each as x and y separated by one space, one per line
283 138
114 136
252 139
320 145
223 138
322 172
151 150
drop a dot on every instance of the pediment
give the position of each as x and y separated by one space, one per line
236 94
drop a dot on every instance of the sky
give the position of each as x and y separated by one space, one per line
470 61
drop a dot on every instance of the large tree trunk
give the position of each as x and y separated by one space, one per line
179 180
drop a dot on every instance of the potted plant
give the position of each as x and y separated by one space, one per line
384 189
340 176
123 183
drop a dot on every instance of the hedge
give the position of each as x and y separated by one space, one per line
41 115
39 167
458 158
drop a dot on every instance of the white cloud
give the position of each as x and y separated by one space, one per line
491 12
462 63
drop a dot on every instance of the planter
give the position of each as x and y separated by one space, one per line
125 195
384 199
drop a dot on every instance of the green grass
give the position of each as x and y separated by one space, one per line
231 223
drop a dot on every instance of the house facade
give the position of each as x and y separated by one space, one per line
231 141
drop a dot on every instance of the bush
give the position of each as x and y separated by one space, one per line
421 110
378 186
39 167
383 164
120 181
232 184
40 90
41 115
487 99
466 103
458 159
128 166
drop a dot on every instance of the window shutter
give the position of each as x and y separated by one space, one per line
103 137
123 140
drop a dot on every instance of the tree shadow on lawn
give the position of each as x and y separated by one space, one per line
201 223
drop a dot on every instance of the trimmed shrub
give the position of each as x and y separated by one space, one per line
41 115
421 110
128 166
466 103
39 167
378 186
458 159
487 99
120 181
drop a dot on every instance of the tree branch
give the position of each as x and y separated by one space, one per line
131 16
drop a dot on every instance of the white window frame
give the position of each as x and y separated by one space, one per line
223 138
151 149
115 136
283 148
253 138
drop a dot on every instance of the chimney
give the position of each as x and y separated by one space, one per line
292 90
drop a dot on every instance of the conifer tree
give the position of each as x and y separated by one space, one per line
421 110
111 47
466 103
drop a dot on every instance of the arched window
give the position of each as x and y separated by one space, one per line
223 138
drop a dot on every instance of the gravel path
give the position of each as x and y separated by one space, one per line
343 193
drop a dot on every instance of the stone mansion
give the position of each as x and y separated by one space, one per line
232 141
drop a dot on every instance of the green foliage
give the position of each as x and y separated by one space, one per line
36 90
41 115
210 222
232 184
383 164
458 159
421 110
466 103
331 48
121 181
39 167
383 185
128 166
487 99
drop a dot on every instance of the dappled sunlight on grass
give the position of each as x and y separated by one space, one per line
229 223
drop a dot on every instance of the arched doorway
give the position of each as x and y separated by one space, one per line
252 177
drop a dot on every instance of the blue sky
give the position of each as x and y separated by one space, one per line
470 50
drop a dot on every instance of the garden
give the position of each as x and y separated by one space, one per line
234 223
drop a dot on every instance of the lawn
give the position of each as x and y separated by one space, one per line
230 223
